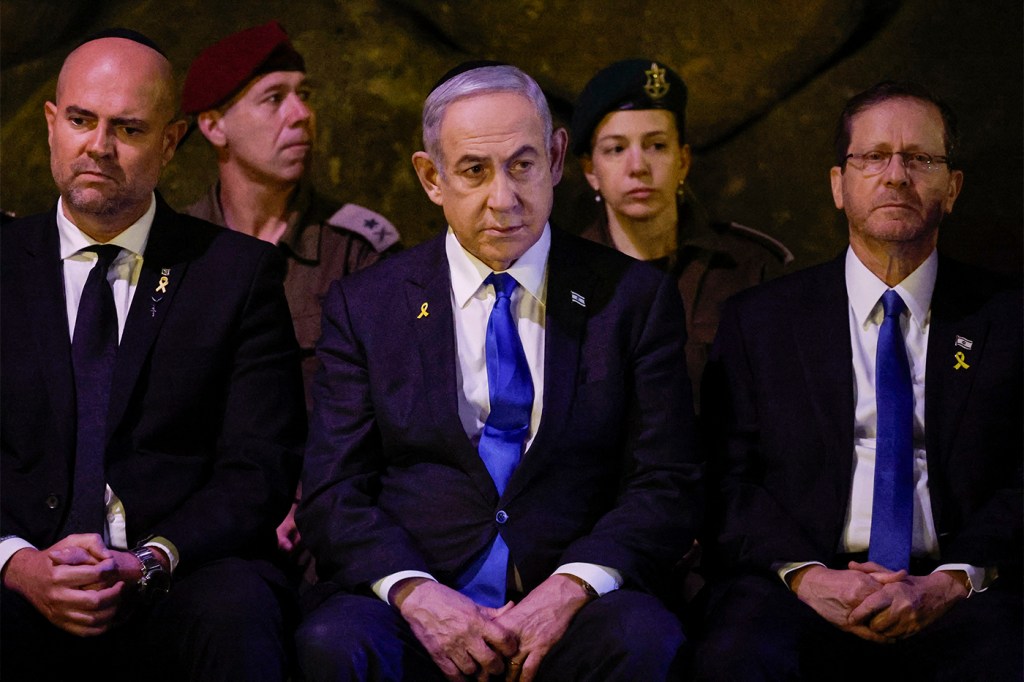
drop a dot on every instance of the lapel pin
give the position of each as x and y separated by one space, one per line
578 299
165 278
423 311
964 343
161 288
960 364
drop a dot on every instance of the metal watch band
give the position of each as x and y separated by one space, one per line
155 579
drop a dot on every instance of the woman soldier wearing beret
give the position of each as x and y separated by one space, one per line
628 130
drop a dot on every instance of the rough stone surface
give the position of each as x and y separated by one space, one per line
767 81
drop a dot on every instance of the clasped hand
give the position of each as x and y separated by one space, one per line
468 640
876 604
78 584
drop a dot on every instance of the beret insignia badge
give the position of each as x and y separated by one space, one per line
656 86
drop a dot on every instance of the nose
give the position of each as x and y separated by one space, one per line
101 140
502 196
299 110
636 161
896 173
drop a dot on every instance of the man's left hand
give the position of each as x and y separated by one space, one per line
540 620
288 537
902 609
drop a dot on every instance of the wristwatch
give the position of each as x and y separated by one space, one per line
155 581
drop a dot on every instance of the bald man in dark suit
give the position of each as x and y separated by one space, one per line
152 410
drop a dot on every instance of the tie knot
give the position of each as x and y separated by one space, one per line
892 304
504 284
106 253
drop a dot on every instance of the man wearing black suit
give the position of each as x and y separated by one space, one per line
805 391
402 510
166 451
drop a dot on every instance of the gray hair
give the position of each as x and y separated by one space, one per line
480 81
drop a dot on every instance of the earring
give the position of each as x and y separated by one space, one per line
680 191
597 196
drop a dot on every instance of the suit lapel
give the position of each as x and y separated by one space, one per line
41 294
428 301
821 339
570 284
956 344
163 268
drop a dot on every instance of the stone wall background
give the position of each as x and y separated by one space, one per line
766 80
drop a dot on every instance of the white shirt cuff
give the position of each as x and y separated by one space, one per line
168 548
602 578
785 569
978 578
9 546
382 587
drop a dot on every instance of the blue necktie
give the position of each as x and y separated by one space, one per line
892 511
93 352
501 443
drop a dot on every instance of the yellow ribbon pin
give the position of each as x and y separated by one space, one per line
423 311
162 286
960 364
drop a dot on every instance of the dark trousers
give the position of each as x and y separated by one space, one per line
756 629
624 635
228 620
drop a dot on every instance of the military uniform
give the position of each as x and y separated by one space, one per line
321 243
713 261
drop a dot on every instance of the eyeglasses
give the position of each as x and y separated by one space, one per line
877 160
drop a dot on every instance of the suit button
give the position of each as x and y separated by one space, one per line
52 501
501 516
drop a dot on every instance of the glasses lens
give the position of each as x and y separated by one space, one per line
876 161
919 161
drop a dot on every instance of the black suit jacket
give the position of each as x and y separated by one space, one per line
780 387
392 481
206 418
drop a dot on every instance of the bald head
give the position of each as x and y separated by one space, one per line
112 129
122 59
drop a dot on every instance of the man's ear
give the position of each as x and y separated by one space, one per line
211 126
836 177
956 183
50 111
173 133
559 144
428 173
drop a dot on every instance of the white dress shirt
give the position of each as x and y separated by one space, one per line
472 301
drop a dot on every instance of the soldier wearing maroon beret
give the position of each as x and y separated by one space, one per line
250 98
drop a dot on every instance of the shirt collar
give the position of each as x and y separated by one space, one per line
133 239
864 290
469 272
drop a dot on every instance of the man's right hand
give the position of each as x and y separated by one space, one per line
834 594
461 637
72 584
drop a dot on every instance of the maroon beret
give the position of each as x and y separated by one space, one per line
225 67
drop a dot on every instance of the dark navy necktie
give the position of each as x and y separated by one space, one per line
93 351
892 511
501 443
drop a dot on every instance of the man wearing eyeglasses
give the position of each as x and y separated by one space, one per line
867 419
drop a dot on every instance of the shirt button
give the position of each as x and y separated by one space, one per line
501 516
52 501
